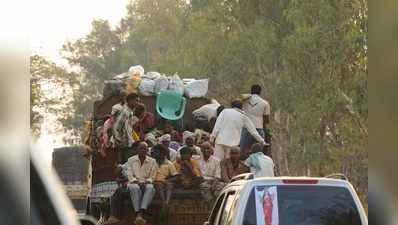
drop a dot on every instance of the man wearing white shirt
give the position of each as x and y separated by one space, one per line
260 163
258 110
211 172
228 128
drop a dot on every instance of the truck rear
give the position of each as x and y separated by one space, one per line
186 208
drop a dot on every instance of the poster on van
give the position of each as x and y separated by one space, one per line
267 205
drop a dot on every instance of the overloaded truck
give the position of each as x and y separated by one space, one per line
186 207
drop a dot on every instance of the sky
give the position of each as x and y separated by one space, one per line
55 21
52 22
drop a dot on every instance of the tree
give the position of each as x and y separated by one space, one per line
97 58
50 94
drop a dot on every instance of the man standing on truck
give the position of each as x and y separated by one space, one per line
258 110
141 172
228 128
118 107
260 163
123 127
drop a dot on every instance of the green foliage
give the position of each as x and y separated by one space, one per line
49 93
35 95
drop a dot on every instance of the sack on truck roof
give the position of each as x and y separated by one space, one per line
147 87
152 75
135 73
197 88
151 83
176 84
161 83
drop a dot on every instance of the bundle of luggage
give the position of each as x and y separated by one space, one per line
151 83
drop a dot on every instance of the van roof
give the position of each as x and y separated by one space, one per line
292 181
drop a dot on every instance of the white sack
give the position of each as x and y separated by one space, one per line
197 88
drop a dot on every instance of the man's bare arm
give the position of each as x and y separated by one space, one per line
188 167
224 173
265 120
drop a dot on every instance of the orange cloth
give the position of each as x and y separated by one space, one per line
166 170
187 178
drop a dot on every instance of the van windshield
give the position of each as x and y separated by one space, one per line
301 205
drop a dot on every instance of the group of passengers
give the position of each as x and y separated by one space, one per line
166 159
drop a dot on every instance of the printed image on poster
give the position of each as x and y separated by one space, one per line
267 205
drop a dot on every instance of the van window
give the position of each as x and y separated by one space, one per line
309 205
227 207
216 209
234 208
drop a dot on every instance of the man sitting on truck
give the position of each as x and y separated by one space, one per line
188 169
189 141
168 128
233 166
116 201
151 141
165 140
210 168
146 121
141 172
165 173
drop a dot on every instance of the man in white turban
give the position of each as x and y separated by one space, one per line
165 140
189 139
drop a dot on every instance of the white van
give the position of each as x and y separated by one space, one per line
288 201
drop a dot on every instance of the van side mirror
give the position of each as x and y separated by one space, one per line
87 220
